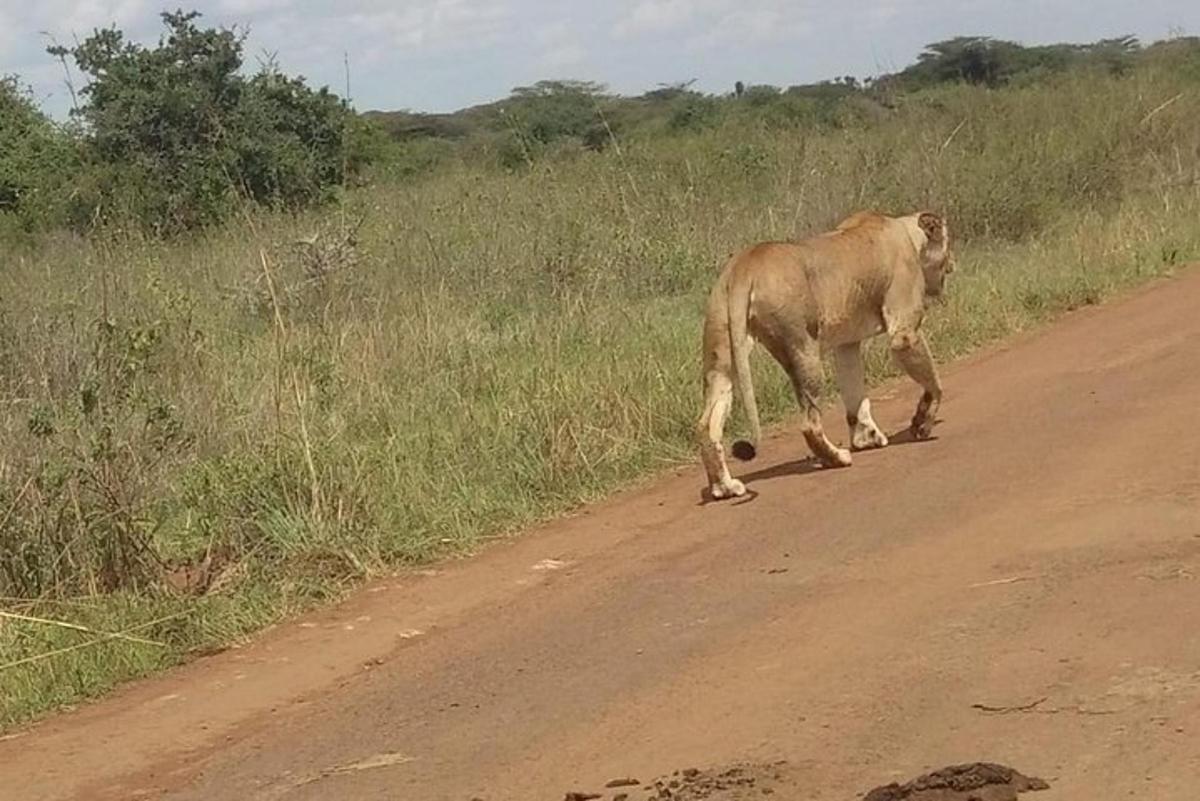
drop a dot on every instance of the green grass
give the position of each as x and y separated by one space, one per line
504 347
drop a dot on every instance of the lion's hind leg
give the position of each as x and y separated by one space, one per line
852 385
710 430
804 368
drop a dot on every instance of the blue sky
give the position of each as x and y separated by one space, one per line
439 55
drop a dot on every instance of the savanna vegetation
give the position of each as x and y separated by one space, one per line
255 347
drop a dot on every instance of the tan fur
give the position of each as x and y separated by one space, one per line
870 275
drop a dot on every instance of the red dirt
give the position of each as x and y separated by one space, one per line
1020 590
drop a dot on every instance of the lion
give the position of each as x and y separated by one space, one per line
872 274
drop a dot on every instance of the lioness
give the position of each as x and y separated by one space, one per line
871 274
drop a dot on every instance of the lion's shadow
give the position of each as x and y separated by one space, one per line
802 467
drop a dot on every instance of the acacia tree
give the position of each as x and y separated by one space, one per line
974 59
990 62
552 110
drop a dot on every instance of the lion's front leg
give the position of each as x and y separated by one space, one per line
911 352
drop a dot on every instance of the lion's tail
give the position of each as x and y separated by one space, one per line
740 344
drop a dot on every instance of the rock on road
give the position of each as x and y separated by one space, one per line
1024 588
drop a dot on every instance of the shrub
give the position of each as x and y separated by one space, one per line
36 160
182 135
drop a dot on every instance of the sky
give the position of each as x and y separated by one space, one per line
441 55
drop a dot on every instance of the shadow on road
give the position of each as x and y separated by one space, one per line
802 467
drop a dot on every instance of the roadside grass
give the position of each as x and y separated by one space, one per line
204 436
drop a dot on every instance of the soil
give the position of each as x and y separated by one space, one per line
1021 589
778 781
978 781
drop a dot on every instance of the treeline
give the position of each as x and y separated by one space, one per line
552 114
176 136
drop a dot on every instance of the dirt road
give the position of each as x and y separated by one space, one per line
1023 589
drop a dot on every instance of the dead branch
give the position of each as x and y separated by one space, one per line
1154 112
1037 709
1005 710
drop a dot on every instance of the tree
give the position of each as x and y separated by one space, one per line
974 59
551 110
1116 55
666 92
560 88
180 133
991 62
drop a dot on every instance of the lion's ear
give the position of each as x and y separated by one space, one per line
933 225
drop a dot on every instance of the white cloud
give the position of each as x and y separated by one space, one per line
652 16
753 23
7 30
883 11
83 16
25 28
416 24
553 32
568 55
254 6
709 23
430 24
560 45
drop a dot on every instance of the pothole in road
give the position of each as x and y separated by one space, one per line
779 781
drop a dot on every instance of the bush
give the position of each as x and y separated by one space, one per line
694 112
36 160
293 140
182 136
